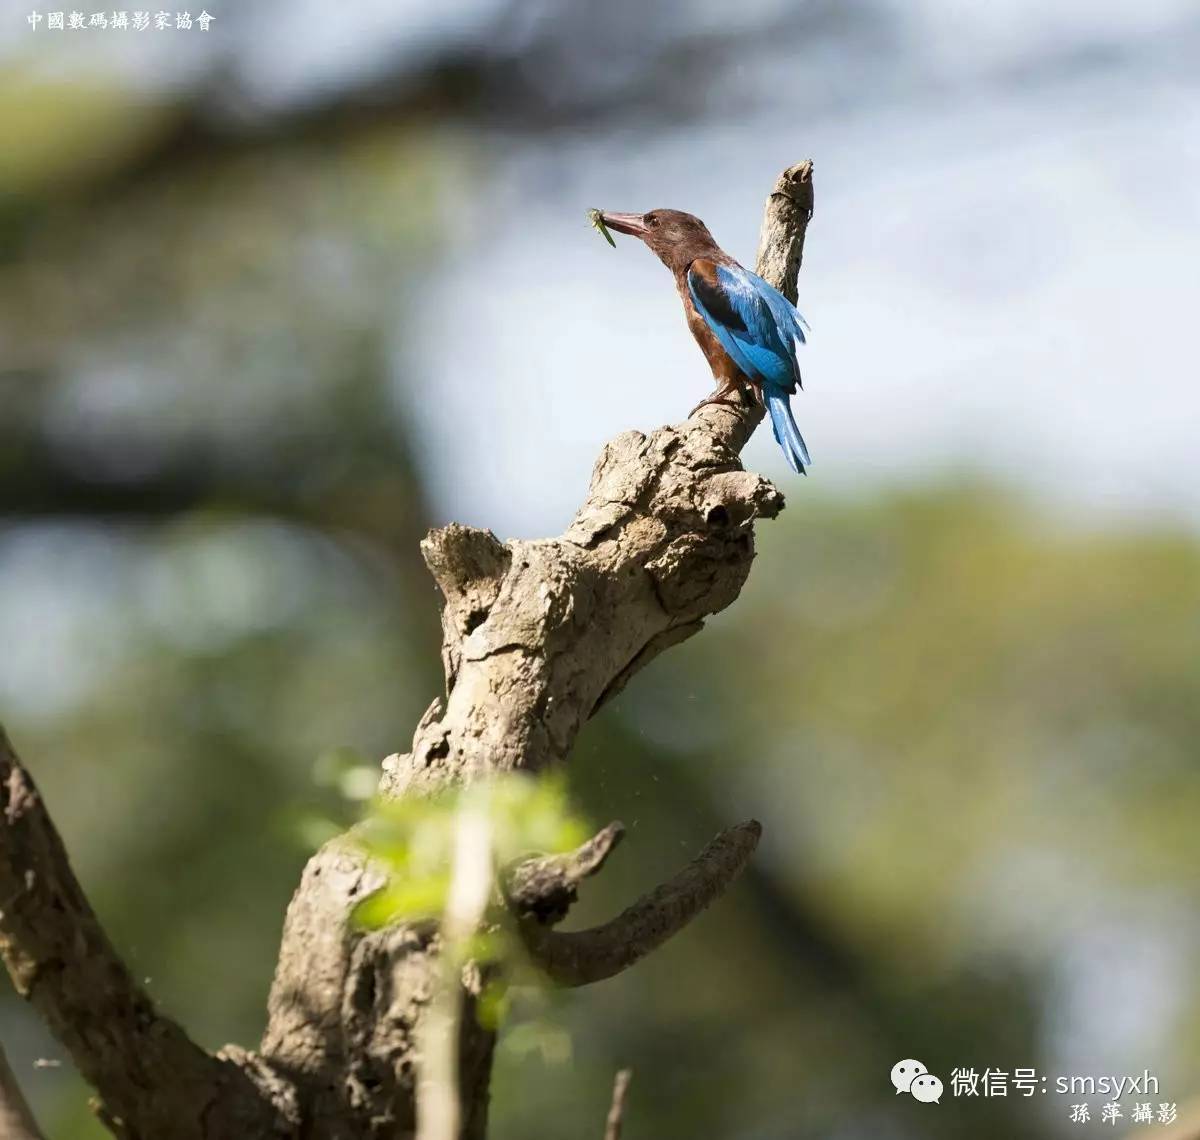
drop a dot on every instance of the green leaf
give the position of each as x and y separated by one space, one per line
405 900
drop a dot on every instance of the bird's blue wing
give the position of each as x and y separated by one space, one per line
785 312
755 323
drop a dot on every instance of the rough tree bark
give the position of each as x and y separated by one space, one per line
536 637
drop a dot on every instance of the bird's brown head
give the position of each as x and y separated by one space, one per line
676 237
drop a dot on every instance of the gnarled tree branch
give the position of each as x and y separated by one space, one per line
536 637
152 1080
582 957
542 890
785 222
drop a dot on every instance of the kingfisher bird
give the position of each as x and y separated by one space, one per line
748 331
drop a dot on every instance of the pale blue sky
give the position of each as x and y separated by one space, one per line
1000 275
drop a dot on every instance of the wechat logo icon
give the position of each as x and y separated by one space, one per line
913 1078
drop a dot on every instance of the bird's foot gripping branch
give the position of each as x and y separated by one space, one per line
536 637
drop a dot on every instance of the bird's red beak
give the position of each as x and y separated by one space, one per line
631 224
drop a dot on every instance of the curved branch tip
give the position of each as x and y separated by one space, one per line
582 957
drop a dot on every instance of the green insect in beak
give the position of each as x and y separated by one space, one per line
597 222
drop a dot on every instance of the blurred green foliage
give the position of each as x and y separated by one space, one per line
414 839
969 735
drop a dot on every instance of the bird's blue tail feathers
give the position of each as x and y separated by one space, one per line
787 434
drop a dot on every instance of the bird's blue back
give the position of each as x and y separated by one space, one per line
761 330
755 323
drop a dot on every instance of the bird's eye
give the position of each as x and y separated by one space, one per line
651 219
